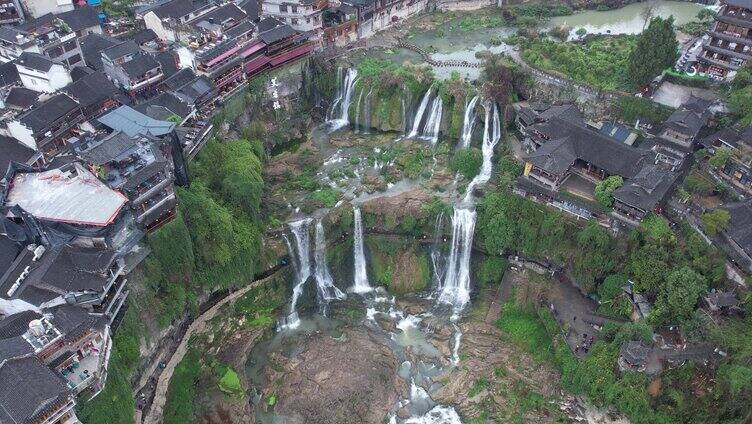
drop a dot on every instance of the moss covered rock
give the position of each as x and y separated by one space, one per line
399 264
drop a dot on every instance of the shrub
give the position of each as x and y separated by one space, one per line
467 162
326 197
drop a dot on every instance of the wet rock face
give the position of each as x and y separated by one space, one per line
352 379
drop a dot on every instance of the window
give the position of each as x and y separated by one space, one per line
283 8
294 9
74 59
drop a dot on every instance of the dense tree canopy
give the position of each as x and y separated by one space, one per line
604 190
656 50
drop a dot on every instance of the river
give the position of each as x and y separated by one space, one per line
626 20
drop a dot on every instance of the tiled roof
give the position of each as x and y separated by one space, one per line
128 47
139 65
35 61
29 390
178 8
91 89
53 109
92 46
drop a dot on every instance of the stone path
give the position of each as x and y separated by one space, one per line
154 415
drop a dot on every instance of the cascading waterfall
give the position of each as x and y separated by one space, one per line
340 112
491 137
361 284
326 290
356 126
469 122
455 288
419 114
436 255
367 112
433 123
300 232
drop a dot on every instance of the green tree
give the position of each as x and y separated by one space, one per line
719 159
613 301
655 51
172 247
740 102
679 295
715 221
648 268
604 190
657 230
467 162
593 260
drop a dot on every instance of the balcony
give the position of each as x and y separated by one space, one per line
731 37
152 191
91 370
727 52
718 62
735 20
63 125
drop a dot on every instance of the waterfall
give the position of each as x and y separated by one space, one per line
491 137
433 123
467 126
300 232
338 97
367 113
456 348
340 112
455 289
419 114
326 290
360 275
356 127
436 254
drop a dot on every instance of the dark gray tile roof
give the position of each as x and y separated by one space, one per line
178 8
167 60
139 65
46 113
29 390
80 18
268 23
169 103
35 61
226 12
251 8
8 74
579 142
17 324
9 34
79 72
12 150
73 322
179 79
109 148
92 46
740 225
91 89
60 270
277 34
242 28
727 135
144 36
740 3
14 347
686 122
21 97
125 48
8 251
648 188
